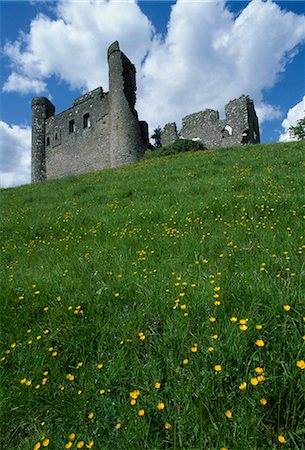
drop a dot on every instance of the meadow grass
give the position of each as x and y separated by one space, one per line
157 306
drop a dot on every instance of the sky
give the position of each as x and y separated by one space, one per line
189 56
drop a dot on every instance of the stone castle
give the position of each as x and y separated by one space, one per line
102 129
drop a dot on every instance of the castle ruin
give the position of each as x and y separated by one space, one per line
101 130
239 127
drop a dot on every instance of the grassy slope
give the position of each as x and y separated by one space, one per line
90 262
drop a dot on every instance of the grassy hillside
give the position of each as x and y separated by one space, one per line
157 306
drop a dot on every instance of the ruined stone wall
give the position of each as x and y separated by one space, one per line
239 127
74 148
126 142
101 130
169 134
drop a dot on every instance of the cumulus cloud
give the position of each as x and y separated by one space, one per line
294 114
15 155
24 84
207 57
210 57
73 46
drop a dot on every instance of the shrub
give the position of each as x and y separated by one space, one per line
179 146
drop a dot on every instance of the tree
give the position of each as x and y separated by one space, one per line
157 137
299 130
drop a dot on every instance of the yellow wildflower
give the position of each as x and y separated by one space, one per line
254 381
141 412
134 394
301 364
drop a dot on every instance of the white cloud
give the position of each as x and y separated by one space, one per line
74 45
15 155
210 57
294 114
207 58
24 84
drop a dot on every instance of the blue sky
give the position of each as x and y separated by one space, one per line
189 55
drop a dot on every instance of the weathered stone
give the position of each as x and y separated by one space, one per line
169 134
239 127
100 130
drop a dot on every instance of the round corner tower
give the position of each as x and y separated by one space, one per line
126 140
42 109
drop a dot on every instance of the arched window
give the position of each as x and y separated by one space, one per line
86 121
227 131
228 128
71 126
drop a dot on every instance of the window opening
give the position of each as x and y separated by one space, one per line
56 136
87 121
71 126
228 128
48 141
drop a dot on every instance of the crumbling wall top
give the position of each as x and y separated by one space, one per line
96 93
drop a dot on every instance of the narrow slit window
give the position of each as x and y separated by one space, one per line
48 141
87 121
56 136
71 126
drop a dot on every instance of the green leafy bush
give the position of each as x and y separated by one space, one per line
179 146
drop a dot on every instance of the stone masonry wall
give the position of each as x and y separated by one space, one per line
101 130
169 134
126 142
239 127
83 149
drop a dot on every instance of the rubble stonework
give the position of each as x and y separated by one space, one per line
239 127
101 130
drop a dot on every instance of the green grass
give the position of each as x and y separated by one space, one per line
91 262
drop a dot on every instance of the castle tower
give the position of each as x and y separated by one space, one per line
126 141
42 109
